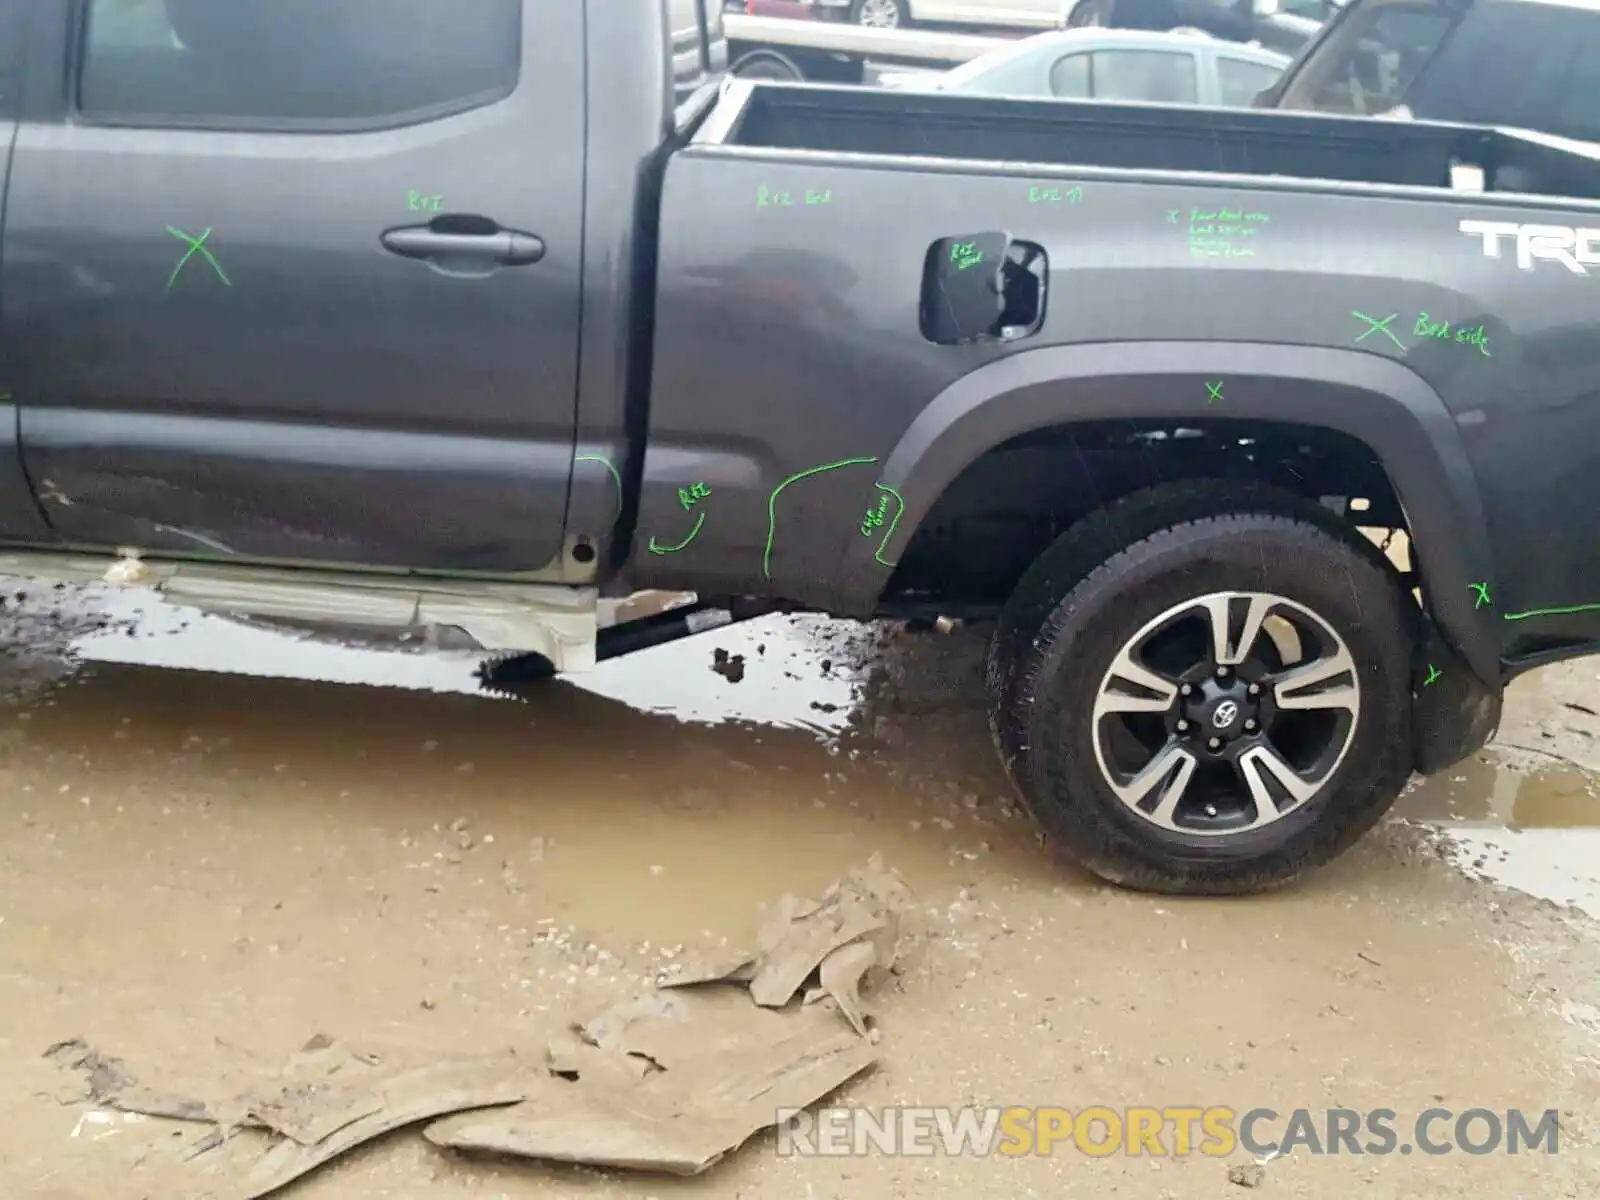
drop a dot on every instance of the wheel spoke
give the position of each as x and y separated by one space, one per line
1156 693
1320 684
1225 650
1258 762
1167 806
1170 770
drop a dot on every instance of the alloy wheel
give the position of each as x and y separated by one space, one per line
879 14
1226 713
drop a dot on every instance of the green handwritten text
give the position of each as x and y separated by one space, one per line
692 495
1054 195
965 254
773 198
875 517
1440 331
1222 232
417 202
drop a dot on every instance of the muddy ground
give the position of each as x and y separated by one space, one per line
199 870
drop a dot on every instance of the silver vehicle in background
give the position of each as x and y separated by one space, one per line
900 14
1112 64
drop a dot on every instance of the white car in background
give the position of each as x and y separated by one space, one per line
1111 64
899 14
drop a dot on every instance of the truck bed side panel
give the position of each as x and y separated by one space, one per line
793 391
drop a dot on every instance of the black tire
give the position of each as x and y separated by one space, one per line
902 15
1093 540
766 64
1045 683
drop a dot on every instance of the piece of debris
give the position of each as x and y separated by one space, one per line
1250 1175
323 1127
715 1071
111 1085
669 1081
861 909
730 667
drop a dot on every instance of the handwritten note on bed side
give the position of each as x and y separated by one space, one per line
1223 232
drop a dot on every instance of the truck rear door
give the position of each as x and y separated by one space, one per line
20 520
298 279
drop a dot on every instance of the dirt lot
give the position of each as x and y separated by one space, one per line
199 871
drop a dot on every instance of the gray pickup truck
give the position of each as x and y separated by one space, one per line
353 313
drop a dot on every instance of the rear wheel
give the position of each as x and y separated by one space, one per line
1212 708
768 64
880 14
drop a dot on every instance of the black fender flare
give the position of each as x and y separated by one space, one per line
1375 400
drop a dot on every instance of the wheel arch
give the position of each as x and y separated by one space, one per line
1374 401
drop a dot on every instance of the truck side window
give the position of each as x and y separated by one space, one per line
1368 64
254 64
1485 72
1564 98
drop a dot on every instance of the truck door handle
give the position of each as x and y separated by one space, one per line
459 252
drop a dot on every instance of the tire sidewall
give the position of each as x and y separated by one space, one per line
1260 553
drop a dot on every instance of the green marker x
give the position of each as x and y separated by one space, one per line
1376 326
196 245
1213 392
1482 590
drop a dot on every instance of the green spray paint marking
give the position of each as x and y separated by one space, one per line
1376 326
1214 392
606 463
772 503
1433 673
693 533
1553 612
894 523
196 245
1482 597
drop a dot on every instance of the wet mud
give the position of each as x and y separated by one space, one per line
198 868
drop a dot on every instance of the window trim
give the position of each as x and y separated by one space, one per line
78 53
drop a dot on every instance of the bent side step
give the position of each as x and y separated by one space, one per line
557 622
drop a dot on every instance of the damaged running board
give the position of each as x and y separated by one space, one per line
559 623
